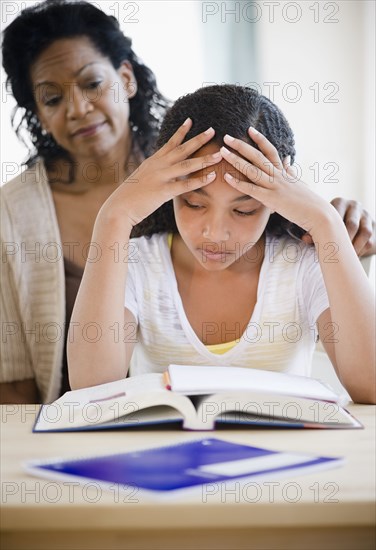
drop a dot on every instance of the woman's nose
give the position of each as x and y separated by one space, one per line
77 104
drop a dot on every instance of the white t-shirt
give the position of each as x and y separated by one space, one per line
280 335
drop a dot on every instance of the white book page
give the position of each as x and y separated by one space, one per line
249 407
96 404
107 403
146 382
193 380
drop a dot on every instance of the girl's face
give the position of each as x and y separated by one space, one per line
81 99
218 224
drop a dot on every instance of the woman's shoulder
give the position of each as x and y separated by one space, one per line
31 181
27 207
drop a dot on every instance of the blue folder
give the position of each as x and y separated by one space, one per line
181 465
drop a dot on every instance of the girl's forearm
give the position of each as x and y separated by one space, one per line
96 350
352 307
100 300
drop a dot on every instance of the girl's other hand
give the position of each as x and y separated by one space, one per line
161 177
272 183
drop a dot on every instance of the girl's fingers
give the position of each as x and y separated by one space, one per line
250 153
189 166
267 157
175 150
288 169
179 187
184 150
248 188
254 173
175 140
286 163
265 147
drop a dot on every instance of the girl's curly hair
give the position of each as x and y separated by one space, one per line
39 26
229 109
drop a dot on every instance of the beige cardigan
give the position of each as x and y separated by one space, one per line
32 284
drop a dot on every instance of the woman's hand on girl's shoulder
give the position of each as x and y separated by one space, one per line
359 224
163 176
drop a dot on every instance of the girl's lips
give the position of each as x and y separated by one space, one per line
89 130
214 256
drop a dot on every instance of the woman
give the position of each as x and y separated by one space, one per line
92 111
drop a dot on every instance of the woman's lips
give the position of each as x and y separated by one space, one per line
88 130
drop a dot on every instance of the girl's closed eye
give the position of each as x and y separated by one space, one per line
191 205
250 213
238 212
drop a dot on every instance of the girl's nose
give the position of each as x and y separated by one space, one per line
216 231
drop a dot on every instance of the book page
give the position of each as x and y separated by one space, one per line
191 380
250 407
106 403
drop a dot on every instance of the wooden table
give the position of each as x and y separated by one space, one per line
329 509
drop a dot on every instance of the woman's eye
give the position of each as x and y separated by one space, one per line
51 102
251 213
94 84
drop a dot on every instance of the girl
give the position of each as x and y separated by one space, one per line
221 277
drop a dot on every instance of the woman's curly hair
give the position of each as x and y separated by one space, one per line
39 26
229 109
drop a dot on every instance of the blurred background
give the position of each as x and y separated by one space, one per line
315 60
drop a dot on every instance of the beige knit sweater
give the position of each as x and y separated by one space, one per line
32 284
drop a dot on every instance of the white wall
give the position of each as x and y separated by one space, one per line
333 125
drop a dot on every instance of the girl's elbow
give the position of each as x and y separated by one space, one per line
370 398
365 396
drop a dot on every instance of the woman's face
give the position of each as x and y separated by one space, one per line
218 224
82 100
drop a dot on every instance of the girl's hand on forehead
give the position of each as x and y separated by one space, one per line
165 175
272 182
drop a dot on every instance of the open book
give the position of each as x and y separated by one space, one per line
200 398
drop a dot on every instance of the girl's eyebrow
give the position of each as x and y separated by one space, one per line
241 198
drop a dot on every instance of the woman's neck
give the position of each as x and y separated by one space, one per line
92 173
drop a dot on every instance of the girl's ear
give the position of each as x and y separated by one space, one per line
129 80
